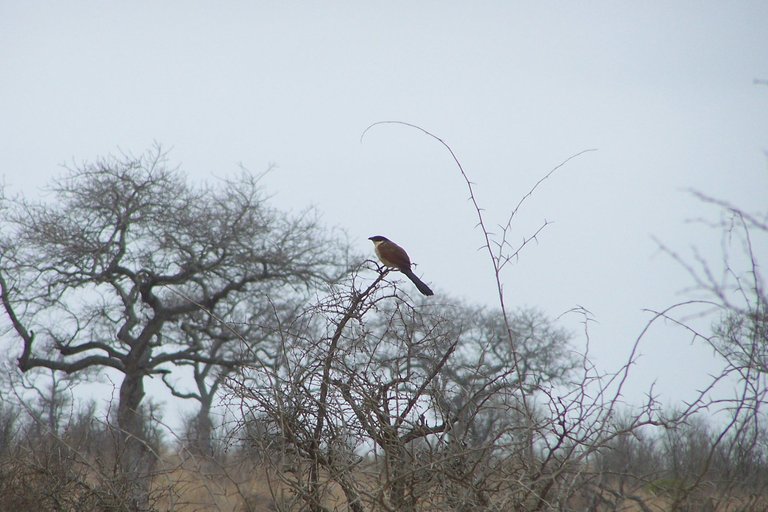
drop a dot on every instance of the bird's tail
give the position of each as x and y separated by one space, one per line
423 288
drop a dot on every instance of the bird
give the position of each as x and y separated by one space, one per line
392 255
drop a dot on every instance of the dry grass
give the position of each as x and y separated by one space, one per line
195 486
190 486
244 485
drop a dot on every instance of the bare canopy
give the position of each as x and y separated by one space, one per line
105 273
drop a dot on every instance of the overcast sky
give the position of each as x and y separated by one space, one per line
664 90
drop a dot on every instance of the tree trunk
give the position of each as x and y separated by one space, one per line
401 496
134 456
204 428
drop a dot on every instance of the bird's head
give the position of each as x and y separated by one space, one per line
376 239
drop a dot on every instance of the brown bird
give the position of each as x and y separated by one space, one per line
392 255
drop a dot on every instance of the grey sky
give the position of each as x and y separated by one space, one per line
664 90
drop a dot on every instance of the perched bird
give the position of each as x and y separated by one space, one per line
392 255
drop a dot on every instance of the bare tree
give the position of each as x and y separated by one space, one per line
47 394
104 275
385 403
399 405
244 329
734 290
